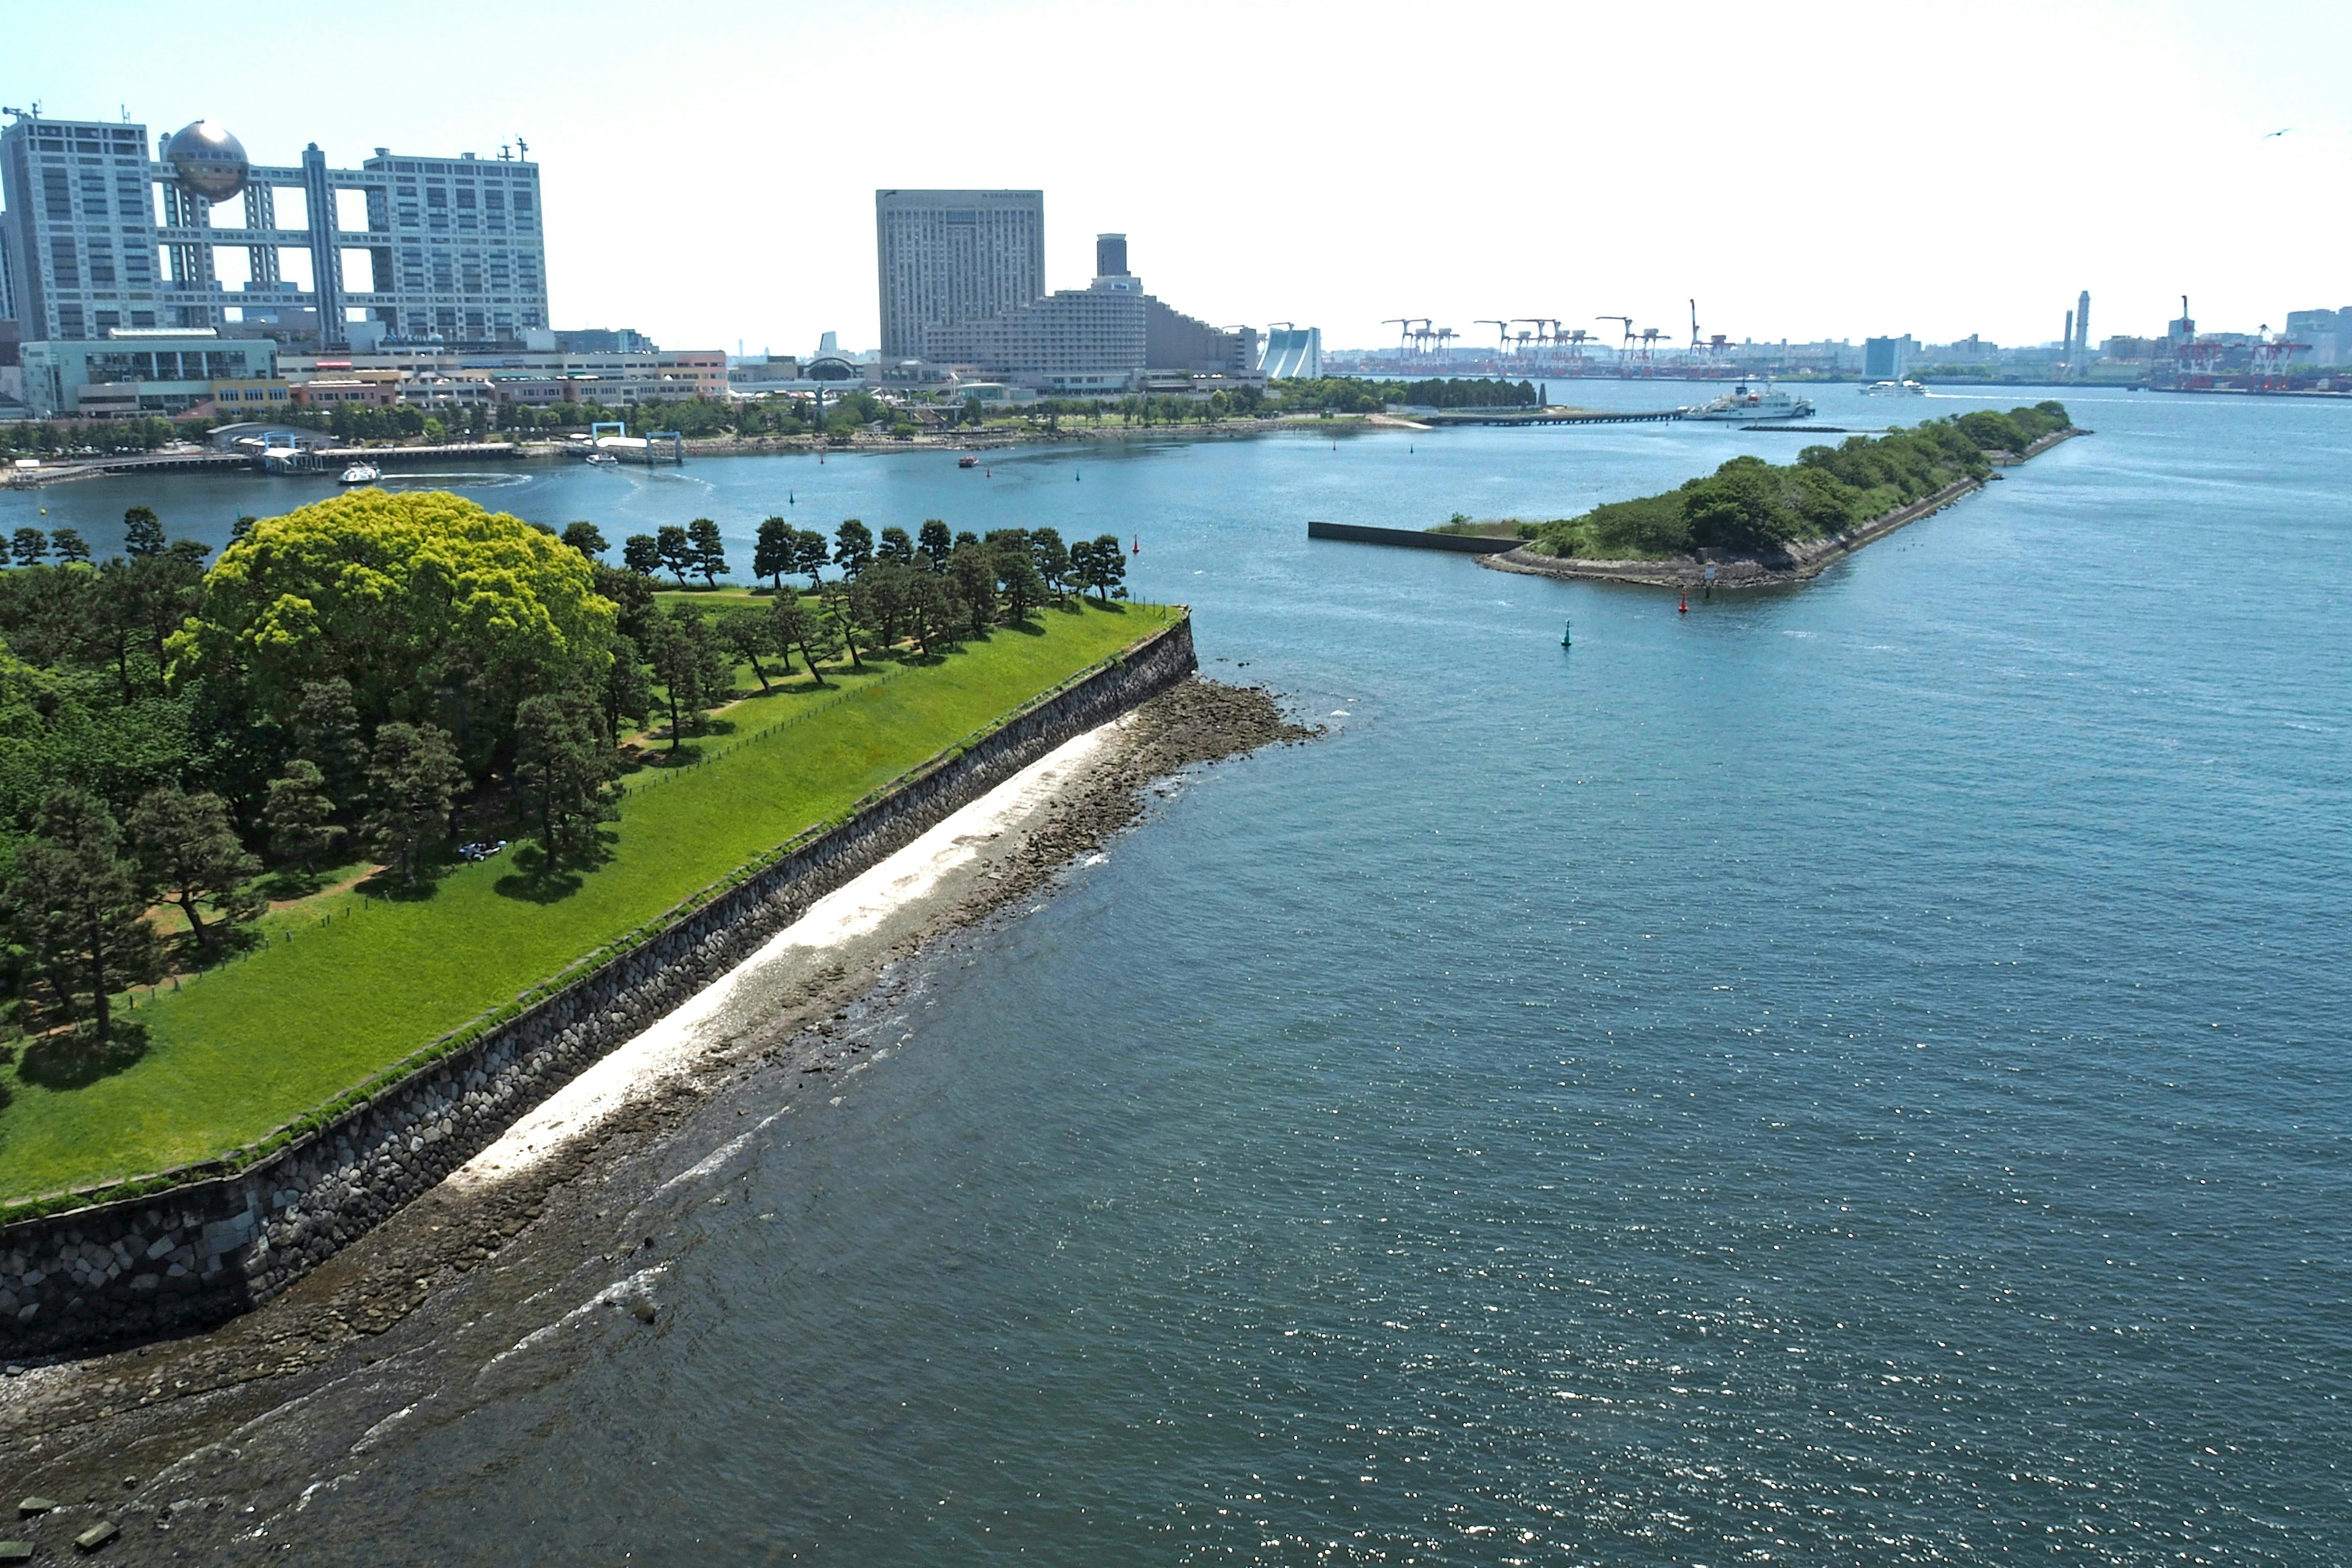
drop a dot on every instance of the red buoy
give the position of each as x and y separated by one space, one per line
1685 610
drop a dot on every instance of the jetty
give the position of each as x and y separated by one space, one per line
1412 539
1547 416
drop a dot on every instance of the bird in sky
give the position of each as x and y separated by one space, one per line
2276 134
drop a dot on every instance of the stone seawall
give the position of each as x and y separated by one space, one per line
202 1253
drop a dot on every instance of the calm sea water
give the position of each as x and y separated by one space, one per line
1854 1074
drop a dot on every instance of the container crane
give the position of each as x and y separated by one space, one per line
1625 346
1502 336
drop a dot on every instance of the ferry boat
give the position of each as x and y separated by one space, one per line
361 474
1751 406
1894 389
966 461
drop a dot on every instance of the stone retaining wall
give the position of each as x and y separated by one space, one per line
204 1252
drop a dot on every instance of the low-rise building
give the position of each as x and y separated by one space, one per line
137 372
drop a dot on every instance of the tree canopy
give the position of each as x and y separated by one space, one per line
430 607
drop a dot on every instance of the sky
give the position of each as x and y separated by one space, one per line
1802 171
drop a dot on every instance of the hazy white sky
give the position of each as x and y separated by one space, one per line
1804 170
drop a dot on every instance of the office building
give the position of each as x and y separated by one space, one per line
400 250
1888 359
946 256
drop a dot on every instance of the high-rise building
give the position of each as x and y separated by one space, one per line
1104 338
2082 345
447 249
1887 359
946 256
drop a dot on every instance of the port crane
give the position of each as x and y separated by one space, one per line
1408 337
1502 336
1625 346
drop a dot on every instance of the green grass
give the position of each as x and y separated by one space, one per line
268 1038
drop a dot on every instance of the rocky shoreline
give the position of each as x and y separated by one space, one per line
171 1440
1794 562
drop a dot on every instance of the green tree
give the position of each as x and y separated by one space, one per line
771 552
188 853
586 538
1052 558
933 613
627 693
143 532
747 634
413 780
852 547
896 545
75 906
30 546
641 553
69 544
300 818
709 549
935 542
677 552
564 773
631 594
798 627
1017 575
811 554
430 607
327 735
971 571
690 665
839 606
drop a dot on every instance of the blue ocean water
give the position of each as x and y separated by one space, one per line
1852 1074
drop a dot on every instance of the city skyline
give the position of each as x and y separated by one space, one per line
1842 175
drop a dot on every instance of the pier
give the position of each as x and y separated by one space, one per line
1412 539
1550 416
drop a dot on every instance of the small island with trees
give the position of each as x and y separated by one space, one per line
269 829
1753 522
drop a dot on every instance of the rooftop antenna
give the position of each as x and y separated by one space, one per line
522 146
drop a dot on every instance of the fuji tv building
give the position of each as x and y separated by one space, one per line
99 240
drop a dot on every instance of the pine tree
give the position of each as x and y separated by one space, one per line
896 546
641 553
935 542
30 546
69 545
709 551
852 547
75 907
414 780
563 772
143 532
690 665
586 538
811 554
327 732
627 693
677 551
798 627
771 552
301 817
973 574
188 853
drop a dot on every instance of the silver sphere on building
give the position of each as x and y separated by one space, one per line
207 161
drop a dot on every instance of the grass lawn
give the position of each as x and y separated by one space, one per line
330 1001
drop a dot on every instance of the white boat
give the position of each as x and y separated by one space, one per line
602 460
1749 406
1894 389
361 474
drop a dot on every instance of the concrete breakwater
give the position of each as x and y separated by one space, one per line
202 1252
1791 563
